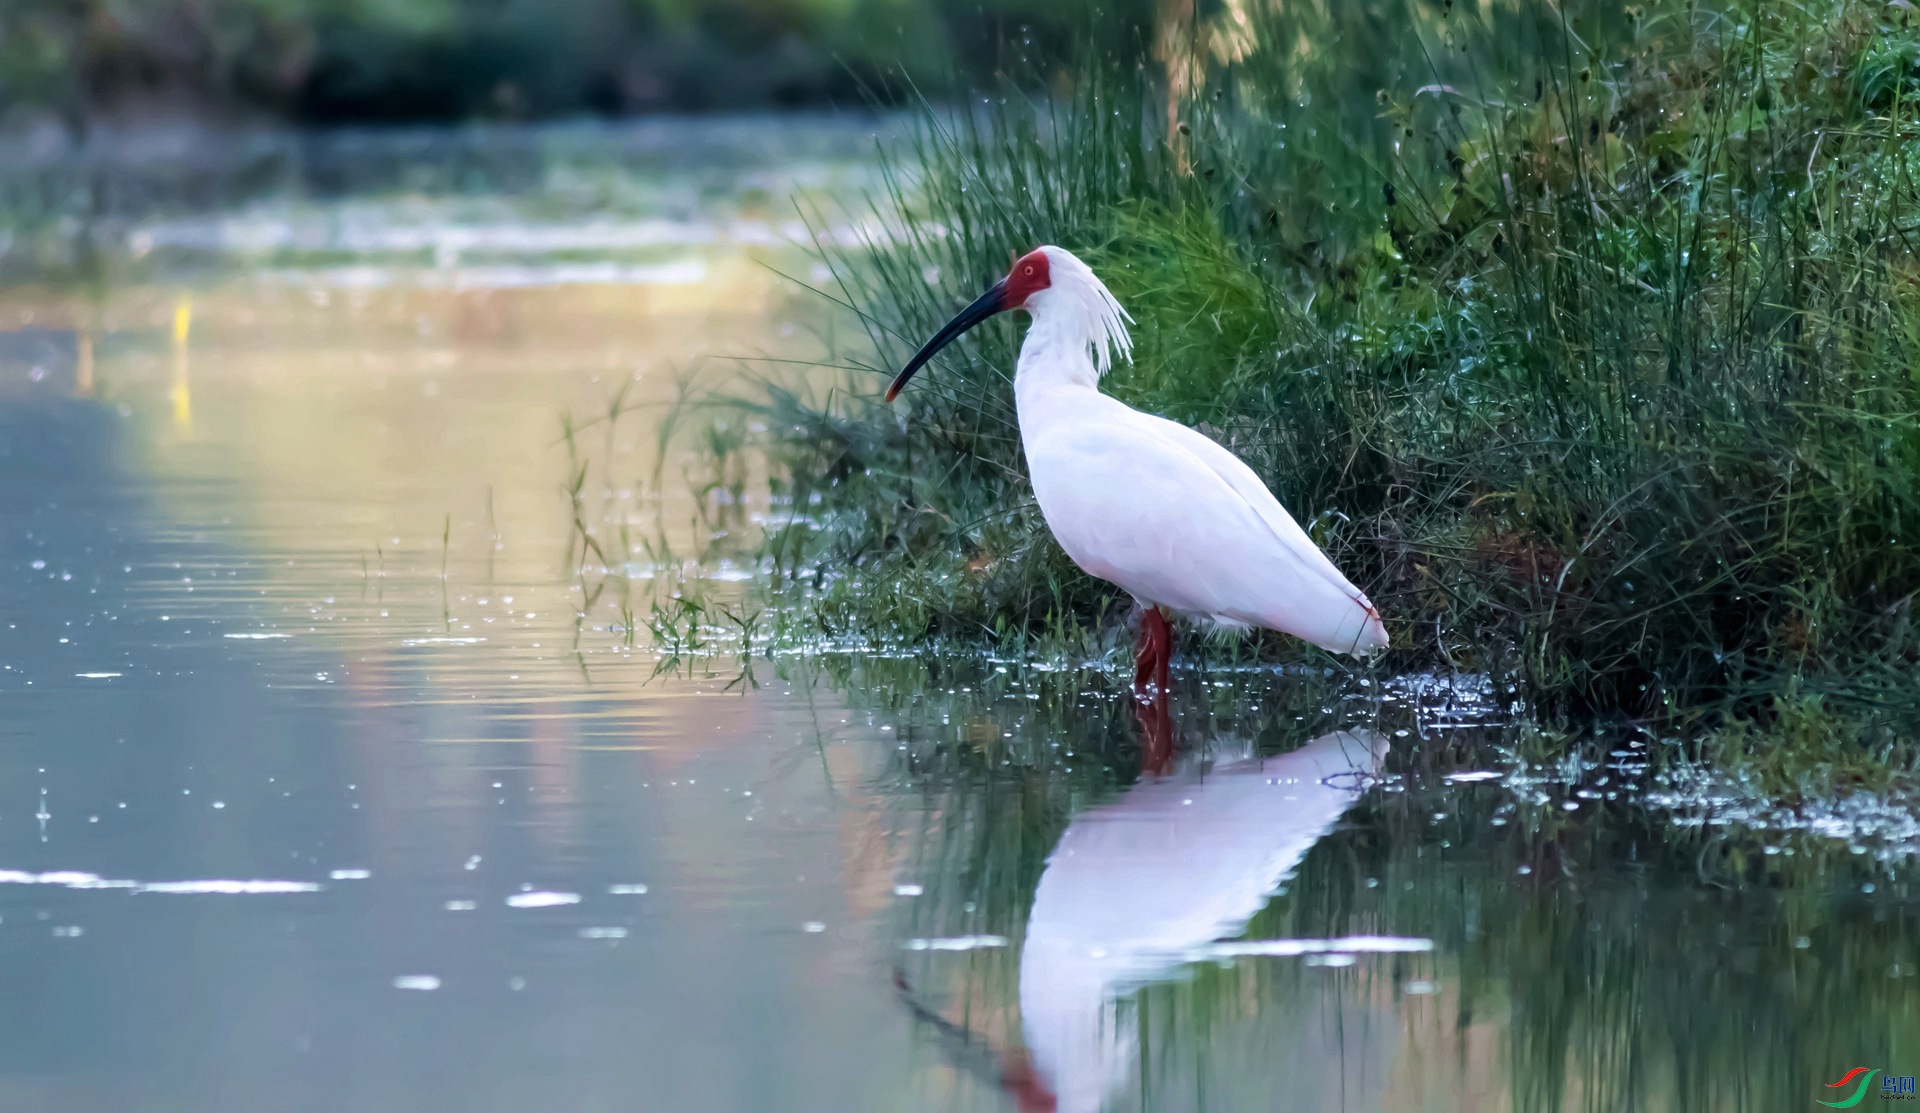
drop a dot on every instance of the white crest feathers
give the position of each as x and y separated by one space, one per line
1078 291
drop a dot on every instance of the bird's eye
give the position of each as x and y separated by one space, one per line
1029 272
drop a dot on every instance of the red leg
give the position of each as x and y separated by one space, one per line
1156 647
1029 1088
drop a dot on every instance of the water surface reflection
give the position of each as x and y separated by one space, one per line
1457 930
1140 887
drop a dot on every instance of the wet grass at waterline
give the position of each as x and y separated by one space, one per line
1583 338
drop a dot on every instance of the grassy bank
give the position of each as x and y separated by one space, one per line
1583 338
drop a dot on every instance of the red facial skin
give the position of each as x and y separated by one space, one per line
1028 276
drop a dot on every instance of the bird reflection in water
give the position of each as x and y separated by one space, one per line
1141 887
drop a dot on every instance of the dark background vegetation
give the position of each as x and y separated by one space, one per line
331 61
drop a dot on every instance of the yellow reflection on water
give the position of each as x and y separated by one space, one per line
387 468
354 426
181 392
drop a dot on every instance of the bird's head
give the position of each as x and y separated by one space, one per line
1037 281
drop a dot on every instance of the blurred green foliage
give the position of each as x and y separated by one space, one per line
338 60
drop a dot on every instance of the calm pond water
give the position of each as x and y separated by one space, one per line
324 787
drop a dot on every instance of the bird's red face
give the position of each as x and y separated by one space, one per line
1030 275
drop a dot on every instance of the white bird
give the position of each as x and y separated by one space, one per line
1158 509
1139 889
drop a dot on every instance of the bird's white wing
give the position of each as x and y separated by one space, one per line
1235 472
1143 510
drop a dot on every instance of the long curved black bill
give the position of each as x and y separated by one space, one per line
984 306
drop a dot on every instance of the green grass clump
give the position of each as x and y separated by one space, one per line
1583 337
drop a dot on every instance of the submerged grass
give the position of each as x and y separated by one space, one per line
1583 337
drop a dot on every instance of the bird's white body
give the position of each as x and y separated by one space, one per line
1168 515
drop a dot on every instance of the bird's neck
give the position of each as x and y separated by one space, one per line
1055 368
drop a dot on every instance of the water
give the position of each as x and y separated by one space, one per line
317 791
